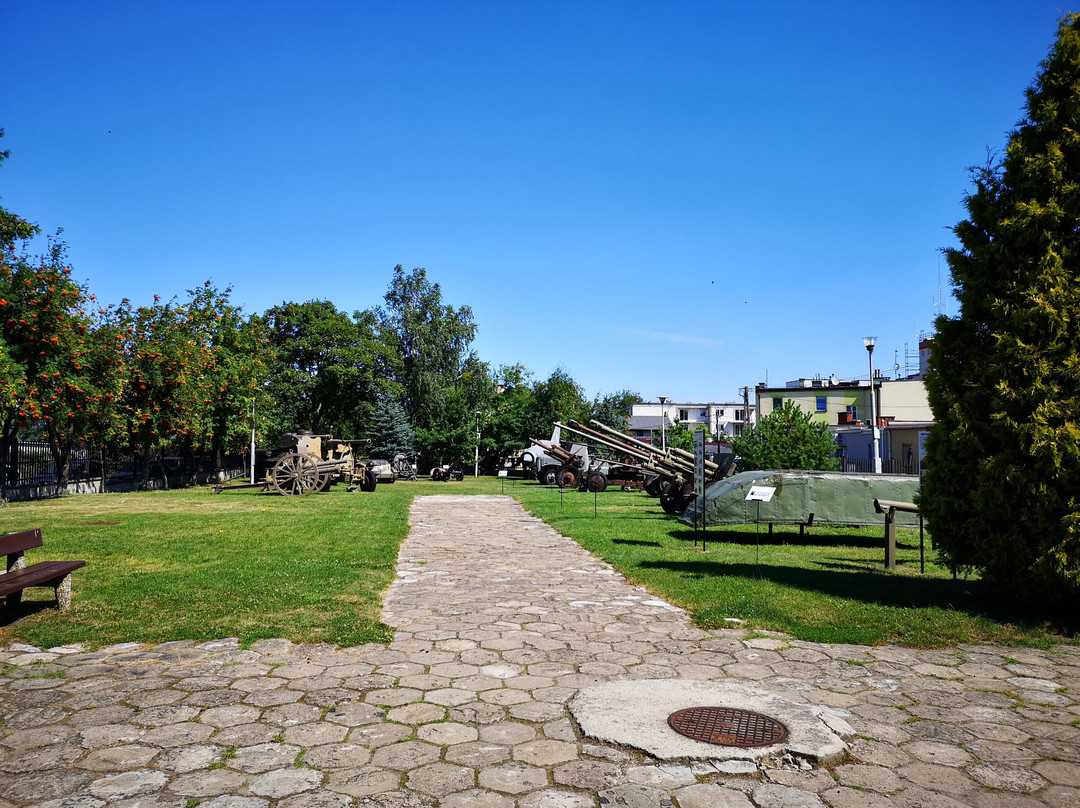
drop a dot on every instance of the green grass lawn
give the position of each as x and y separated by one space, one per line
827 586
193 565
189 564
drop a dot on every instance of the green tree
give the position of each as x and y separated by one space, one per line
428 342
681 436
1002 486
325 369
233 376
389 433
510 419
12 374
163 404
614 408
786 438
451 430
12 227
70 361
558 398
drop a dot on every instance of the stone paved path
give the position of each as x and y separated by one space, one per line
500 622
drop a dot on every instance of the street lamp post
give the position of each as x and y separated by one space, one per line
663 423
869 343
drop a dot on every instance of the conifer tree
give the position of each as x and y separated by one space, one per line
1002 487
390 433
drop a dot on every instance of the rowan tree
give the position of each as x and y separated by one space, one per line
231 375
162 402
70 359
1002 488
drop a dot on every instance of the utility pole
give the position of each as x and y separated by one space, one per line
746 409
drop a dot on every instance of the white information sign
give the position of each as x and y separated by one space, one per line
760 493
502 472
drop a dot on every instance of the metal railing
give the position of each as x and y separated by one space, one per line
865 465
30 472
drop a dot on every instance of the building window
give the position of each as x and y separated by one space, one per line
684 415
738 415
853 412
822 404
778 402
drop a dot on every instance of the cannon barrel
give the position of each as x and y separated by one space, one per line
554 450
680 456
654 461
610 443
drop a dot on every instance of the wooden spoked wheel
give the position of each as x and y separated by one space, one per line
295 475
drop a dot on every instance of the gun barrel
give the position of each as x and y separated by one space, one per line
610 443
554 451
654 461
676 456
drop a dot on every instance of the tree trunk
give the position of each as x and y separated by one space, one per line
60 441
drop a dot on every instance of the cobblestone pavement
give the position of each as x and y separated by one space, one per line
500 622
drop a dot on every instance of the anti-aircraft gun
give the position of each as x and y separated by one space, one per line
672 468
302 463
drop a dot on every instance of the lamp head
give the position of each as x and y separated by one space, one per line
869 342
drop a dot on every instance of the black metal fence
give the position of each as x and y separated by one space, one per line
31 473
865 465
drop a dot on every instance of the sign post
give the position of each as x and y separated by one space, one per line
759 494
699 484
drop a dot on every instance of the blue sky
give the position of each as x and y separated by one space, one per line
679 198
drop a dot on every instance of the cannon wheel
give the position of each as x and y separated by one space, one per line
596 482
653 486
295 475
546 475
368 483
677 498
326 482
567 477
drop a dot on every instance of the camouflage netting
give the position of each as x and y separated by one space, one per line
803 497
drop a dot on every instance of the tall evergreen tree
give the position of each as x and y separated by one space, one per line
390 432
1002 488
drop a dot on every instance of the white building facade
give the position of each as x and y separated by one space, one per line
720 419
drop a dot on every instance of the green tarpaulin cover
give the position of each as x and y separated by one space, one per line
800 497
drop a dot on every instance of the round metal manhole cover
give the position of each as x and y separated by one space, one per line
728 726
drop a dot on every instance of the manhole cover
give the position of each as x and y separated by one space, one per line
727 726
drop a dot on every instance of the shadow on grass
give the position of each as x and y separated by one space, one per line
974 598
637 542
808 539
13 614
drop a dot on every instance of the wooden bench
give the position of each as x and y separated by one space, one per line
18 577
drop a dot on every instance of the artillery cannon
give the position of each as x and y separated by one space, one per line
302 463
568 472
579 469
672 468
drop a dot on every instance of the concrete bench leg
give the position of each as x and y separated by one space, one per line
63 593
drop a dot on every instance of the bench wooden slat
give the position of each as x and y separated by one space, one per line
18 542
45 573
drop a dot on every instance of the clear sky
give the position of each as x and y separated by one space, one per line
679 198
